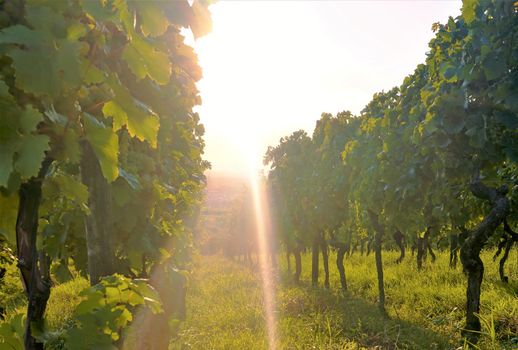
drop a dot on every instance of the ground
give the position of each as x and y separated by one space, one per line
225 311
425 308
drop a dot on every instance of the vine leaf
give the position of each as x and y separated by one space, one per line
469 10
145 61
57 65
141 122
22 150
153 20
494 68
508 119
31 152
105 144
201 22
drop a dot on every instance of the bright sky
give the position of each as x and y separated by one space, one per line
273 67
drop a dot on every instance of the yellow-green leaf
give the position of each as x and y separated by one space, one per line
105 144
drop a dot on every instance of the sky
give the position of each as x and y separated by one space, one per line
273 67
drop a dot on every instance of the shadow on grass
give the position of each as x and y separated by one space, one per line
362 322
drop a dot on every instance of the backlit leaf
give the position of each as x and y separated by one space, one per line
105 144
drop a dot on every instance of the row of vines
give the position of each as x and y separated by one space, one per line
436 156
101 169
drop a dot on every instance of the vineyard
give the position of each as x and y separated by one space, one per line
112 238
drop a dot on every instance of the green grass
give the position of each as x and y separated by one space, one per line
426 308
63 299
225 310
433 299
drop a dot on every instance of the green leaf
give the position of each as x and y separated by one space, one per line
72 189
469 10
91 73
21 150
11 332
45 19
508 119
512 101
448 72
125 110
512 153
21 35
442 139
120 118
97 10
51 72
494 67
76 31
29 119
135 63
94 300
153 20
62 273
71 149
105 144
31 152
121 193
57 65
454 120
477 137
144 60
144 127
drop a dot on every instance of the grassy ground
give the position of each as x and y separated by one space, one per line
225 308
63 299
425 308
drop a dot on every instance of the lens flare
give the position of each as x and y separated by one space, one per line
265 254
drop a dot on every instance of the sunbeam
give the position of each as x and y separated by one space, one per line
263 227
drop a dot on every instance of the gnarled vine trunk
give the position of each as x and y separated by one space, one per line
340 266
456 241
314 260
288 261
509 242
470 252
420 252
362 246
2 309
298 264
369 246
454 249
378 238
428 245
34 266
99 240
325 258
398 237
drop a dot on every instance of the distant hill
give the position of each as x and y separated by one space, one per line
221 194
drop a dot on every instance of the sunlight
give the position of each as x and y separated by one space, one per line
263 230
271 67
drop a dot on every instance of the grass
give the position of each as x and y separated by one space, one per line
62 301
433 298
225 310
426 308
